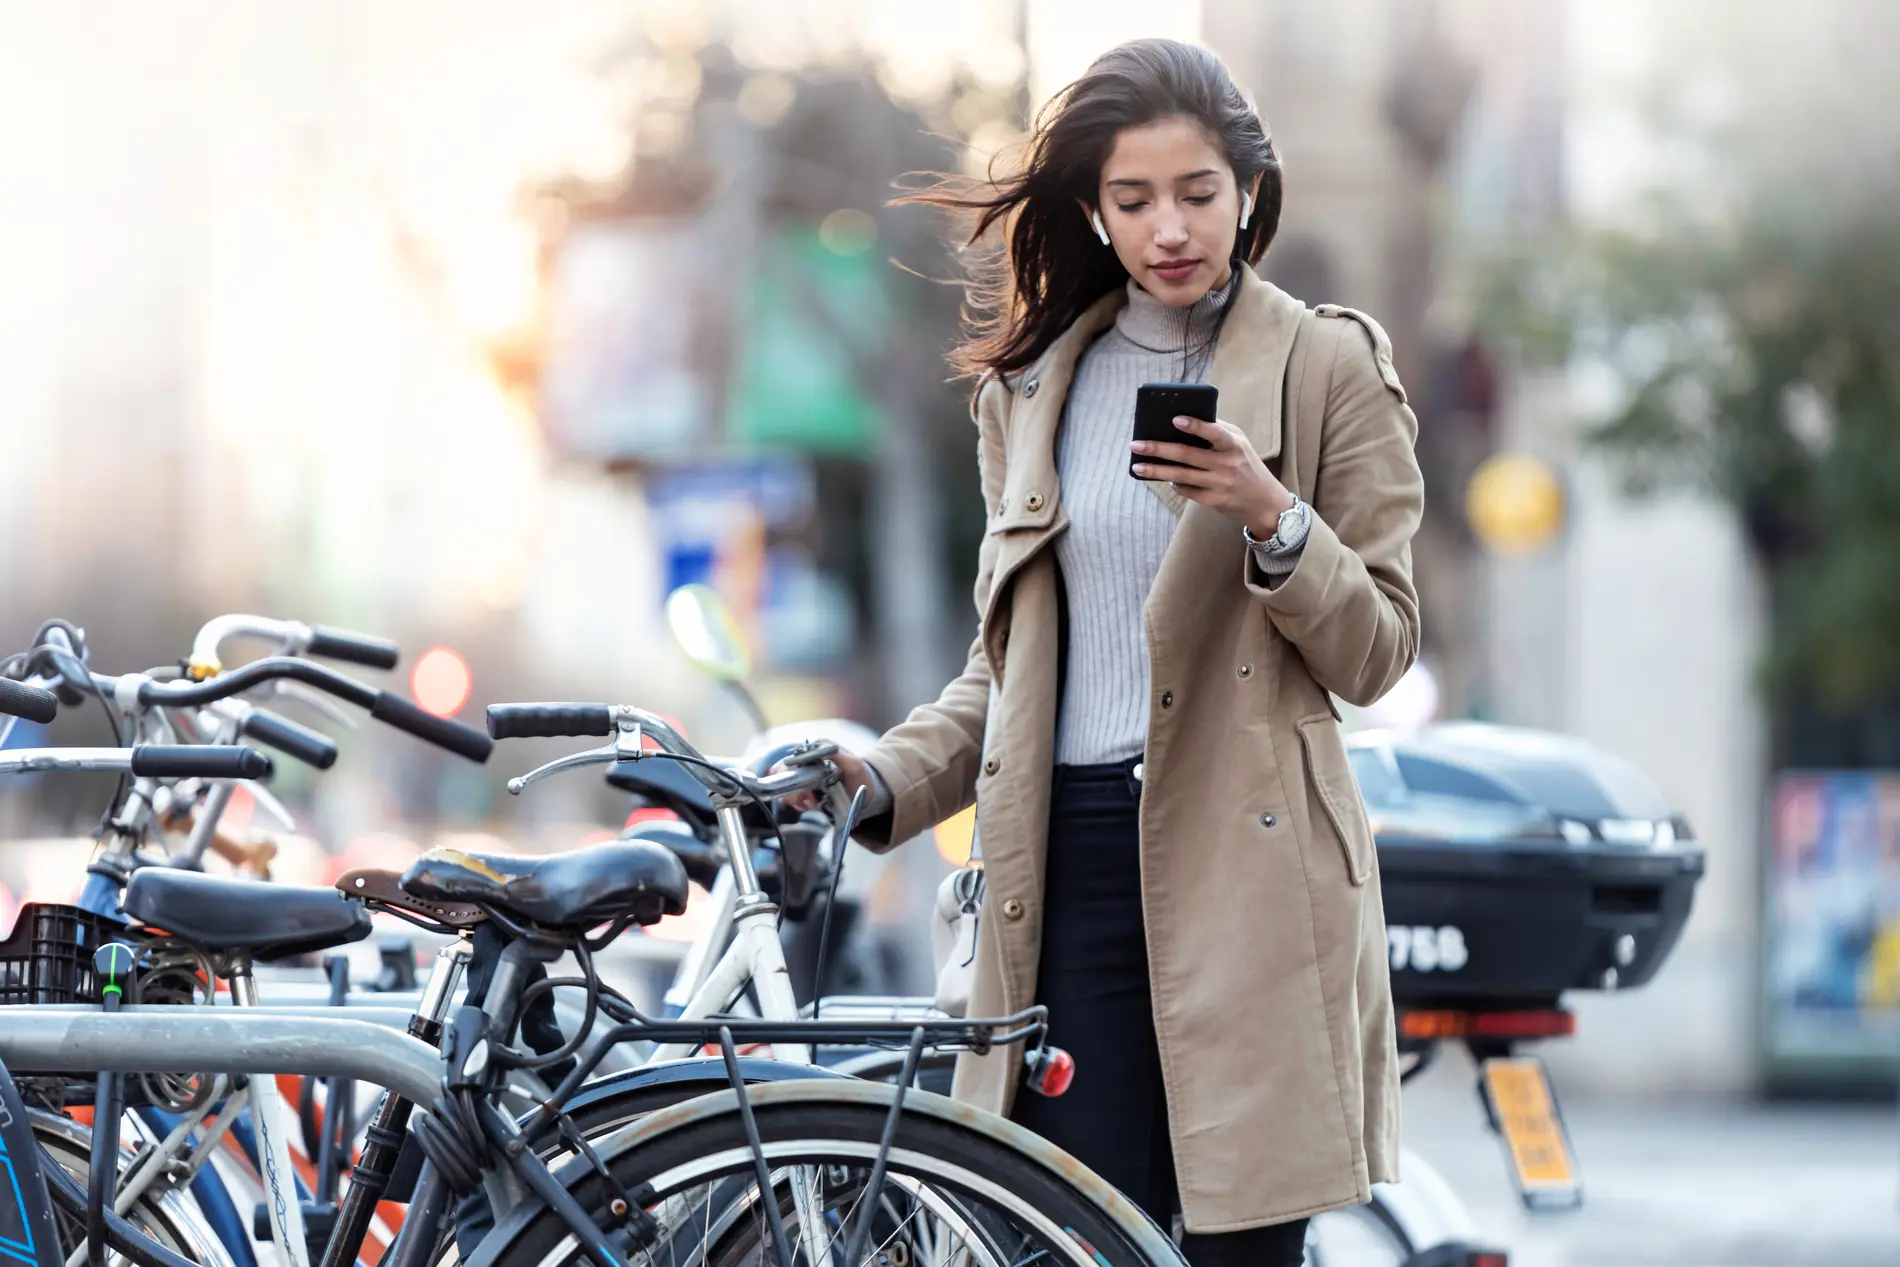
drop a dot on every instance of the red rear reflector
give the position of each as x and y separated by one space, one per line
1051 1072
1488 1258
1423 1026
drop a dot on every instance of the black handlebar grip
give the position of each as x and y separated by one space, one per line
443 732
352 648
198 761
308 746
549 721
17 699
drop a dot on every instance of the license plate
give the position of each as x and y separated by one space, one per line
1523 1109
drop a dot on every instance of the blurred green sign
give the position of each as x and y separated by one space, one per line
809 319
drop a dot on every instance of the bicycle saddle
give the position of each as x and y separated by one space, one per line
701 859
574 890
271 921
380 889
796 859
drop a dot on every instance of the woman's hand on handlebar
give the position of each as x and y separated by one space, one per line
853 774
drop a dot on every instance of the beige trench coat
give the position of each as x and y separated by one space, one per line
1266 938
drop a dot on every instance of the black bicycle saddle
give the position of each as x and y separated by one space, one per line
578 889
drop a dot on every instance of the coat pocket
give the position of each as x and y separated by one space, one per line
1330 772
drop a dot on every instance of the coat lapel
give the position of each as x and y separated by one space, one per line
1250 361
1031 494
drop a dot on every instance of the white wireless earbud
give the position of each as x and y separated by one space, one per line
1246 208
1095 218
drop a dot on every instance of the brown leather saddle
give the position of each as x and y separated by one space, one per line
381 889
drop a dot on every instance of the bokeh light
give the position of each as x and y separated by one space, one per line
441 682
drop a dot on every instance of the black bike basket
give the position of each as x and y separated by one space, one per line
47 958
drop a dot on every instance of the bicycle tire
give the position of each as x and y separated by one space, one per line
170 1218
705 1141
1361 1236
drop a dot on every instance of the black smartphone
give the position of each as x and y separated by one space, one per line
1157 405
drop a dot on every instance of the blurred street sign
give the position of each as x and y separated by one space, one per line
712 523
1515 504
809 313
626 375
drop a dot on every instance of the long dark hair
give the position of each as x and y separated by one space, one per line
1052 267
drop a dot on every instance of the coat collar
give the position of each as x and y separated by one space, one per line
1249 368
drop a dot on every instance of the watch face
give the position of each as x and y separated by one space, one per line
1291 530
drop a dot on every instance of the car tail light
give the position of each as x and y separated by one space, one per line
1487 1258
1050 1071
1425 1025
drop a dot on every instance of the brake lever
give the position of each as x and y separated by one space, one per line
268 802
628 745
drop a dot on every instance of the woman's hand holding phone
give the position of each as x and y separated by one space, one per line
1227 476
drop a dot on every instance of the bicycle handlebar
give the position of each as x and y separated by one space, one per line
292 637
354 648
308 746
443 732
17 699
199 761
464 741
158 761
549 721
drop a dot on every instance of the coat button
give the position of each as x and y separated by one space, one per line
1013 909
992 766
1167 699
1268 820
1245 670
1033 502
1029 388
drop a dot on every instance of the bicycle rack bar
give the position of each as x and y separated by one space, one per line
163 1039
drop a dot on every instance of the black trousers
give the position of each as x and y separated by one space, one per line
1094 981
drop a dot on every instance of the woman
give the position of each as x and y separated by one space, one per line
1178 862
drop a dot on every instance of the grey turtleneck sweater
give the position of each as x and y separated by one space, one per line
1119 528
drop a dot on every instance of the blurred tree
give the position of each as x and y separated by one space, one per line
1754 357
825 314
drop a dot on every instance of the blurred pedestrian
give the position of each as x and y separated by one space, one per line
1178 863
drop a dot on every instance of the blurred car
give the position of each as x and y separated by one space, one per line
1517 865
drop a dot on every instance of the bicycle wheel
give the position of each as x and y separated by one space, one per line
172 1218
954 1194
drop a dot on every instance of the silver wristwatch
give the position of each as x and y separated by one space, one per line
1288 535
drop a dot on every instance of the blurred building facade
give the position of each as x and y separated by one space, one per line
268 273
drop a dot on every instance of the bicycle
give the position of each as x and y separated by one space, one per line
199 701
814 1134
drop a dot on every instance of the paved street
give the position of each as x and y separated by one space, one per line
1680 1182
